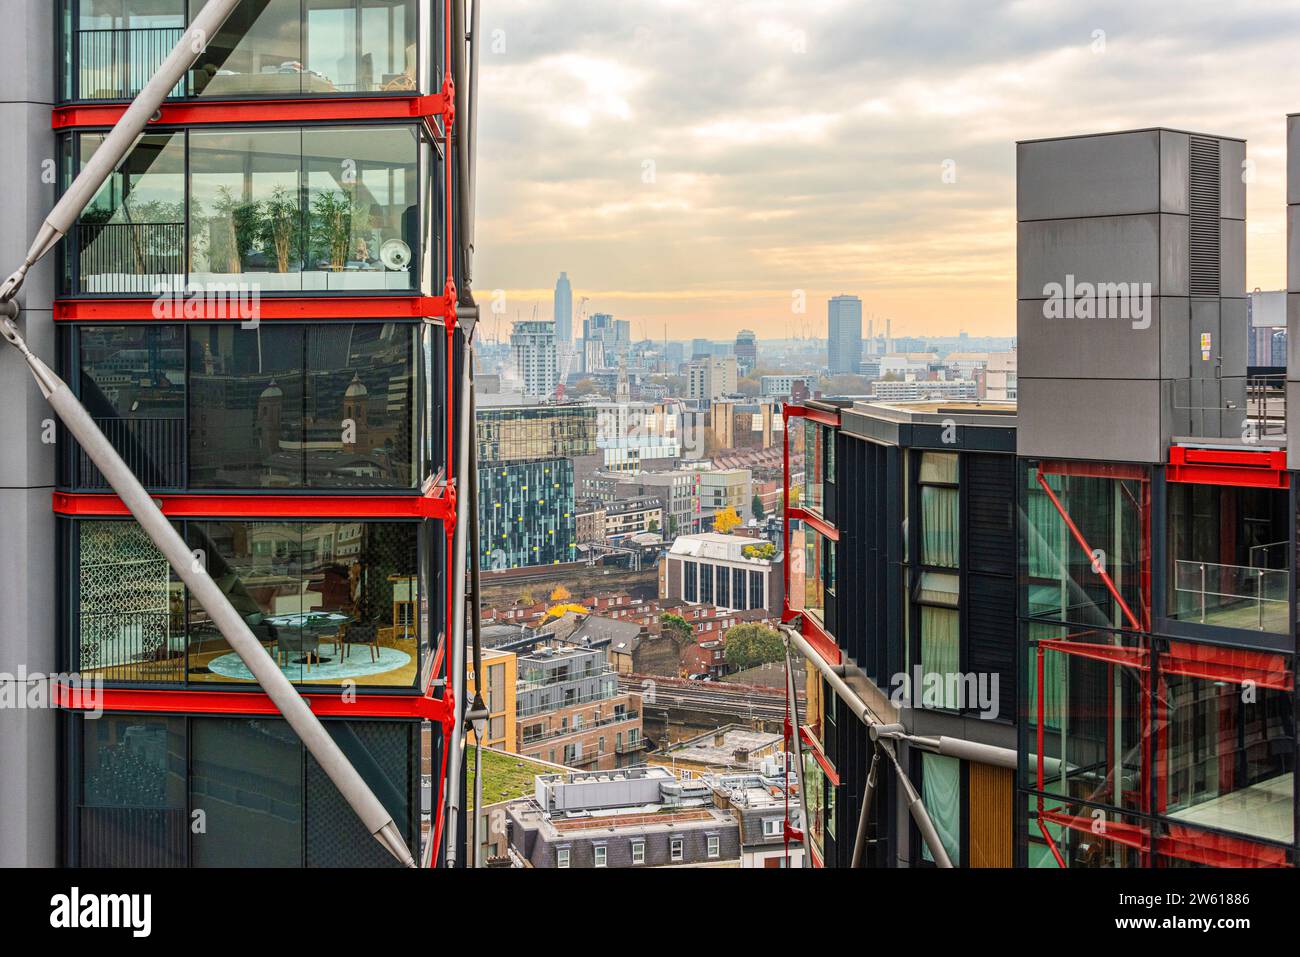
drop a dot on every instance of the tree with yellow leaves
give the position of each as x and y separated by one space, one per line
726 520
561 594
559 611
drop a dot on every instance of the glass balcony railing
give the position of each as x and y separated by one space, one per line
267 48
1231 596
1250 408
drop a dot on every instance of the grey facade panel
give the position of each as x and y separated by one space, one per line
1204 352
1108 175
1173 172
29 795
1233 336
1232 262
1292 249
26 48
1110 420
1292 338
1293 427
1293 160
1232 184
1104 250
1175 337
1175 264
27 155
1093 348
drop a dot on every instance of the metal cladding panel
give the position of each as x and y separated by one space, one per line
29 742
1095 348
1173 172
1232 181
1293 160
1175 260
1233 333
1292 248
1293 427
1204 401
1103 250
25 47
1175 415
1114 174
1293 339
1232 258
1204 352
1174 315
1116 420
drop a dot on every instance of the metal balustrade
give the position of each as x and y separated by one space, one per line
116 64
154 450
129 257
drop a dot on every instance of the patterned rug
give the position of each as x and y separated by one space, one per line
356 665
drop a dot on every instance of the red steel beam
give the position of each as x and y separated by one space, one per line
437 505
806 412
295 308
299 110
823 527
1240 468
176 701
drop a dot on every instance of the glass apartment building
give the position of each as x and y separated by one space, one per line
1121 553
526 482
902 579
252 310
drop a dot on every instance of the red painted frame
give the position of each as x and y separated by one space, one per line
810 628
297 308
1265 468
814 746
301 110
177 701
438 504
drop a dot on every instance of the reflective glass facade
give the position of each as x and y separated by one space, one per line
278 210
332 602
535 432
277 406
172 791
1159 710
249 308
267 48
526 514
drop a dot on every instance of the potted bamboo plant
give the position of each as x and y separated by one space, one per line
280 225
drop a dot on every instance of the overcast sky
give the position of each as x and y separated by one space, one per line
699 164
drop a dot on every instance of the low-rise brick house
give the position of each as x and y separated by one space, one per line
570 711
638 817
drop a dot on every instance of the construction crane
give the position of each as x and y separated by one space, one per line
116 146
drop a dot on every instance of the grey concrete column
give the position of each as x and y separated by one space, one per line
29 798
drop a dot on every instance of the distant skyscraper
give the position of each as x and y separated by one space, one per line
563 311
746 349
844 334
533 345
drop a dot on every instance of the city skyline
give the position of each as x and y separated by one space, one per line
742 199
